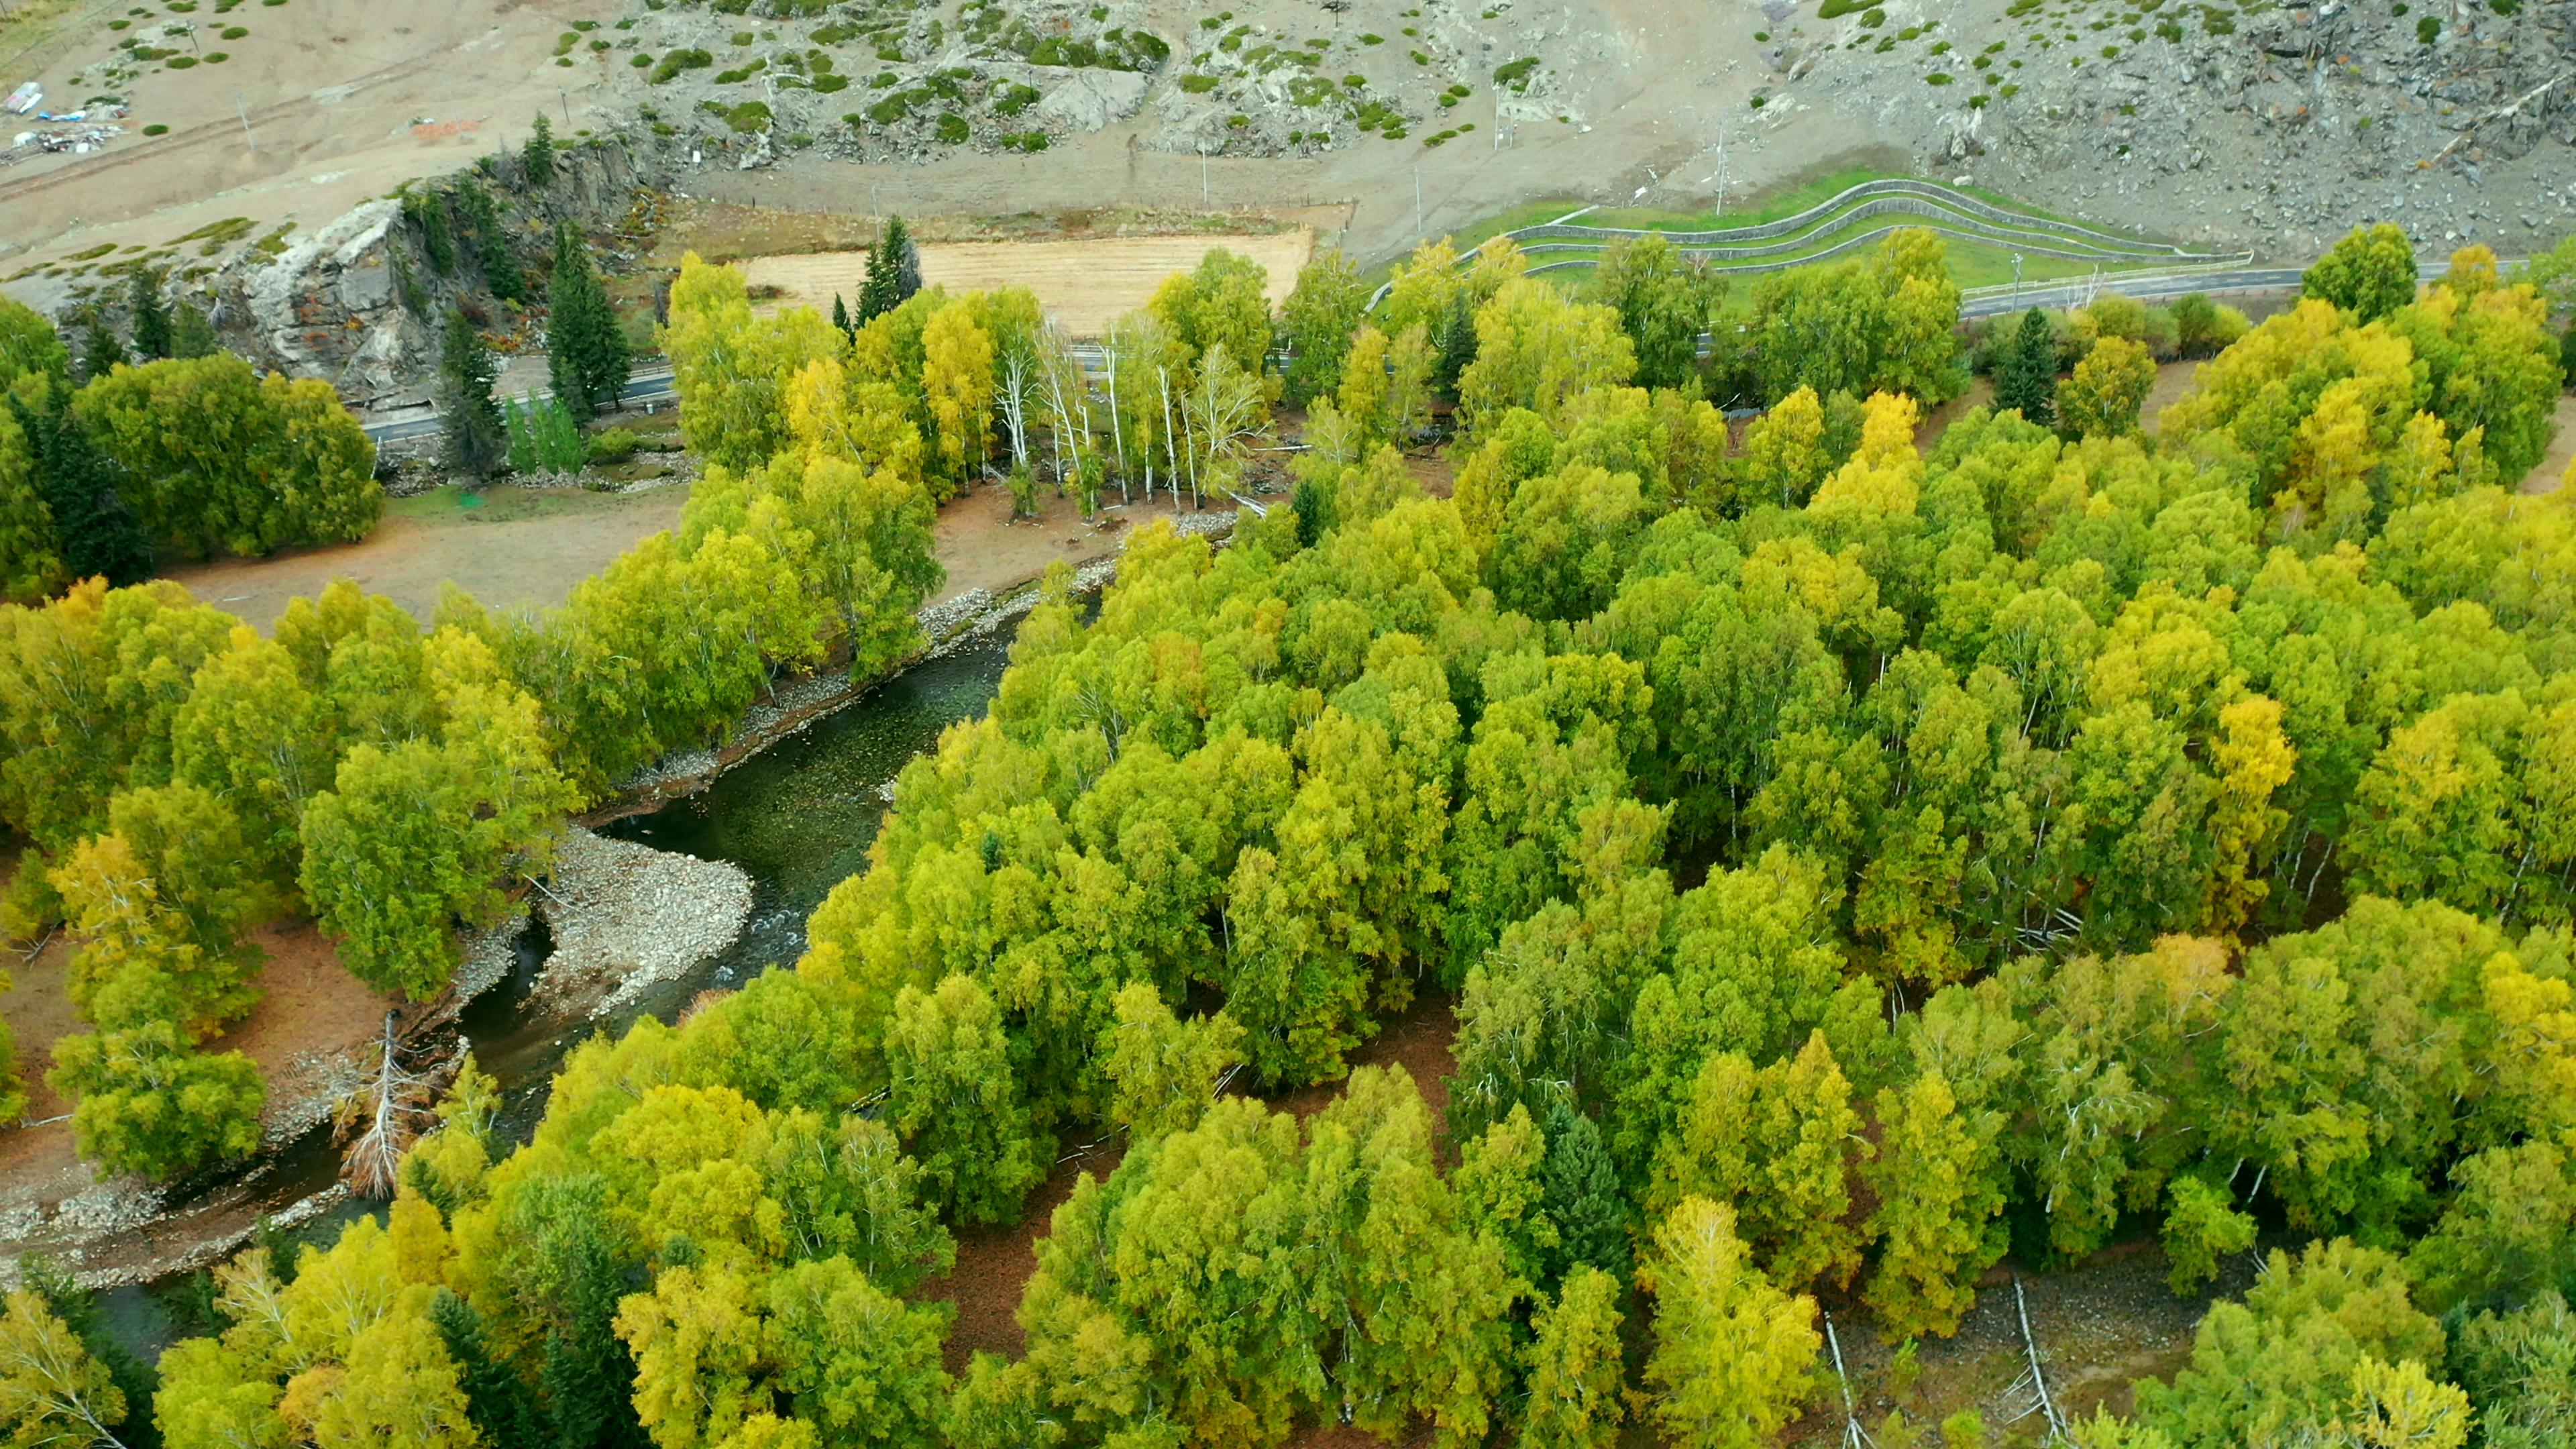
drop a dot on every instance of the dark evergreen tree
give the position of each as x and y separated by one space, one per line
2567 356
494 1394
192 332
491 241
1457 341
1581 1192
1313 508
151 317
2026 375
586 351
428 211
95 533
476 442
894 272
539 154
586 1372
100 352
841 316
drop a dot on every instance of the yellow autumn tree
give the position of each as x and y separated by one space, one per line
2253 759
957 381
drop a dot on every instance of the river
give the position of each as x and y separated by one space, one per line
797 818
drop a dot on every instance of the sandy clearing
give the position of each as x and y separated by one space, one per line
532 560
1083 284
2562 451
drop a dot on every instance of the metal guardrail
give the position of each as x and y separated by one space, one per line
1944 208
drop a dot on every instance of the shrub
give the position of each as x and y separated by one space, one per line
615 445
1197 84
1026 141
952 127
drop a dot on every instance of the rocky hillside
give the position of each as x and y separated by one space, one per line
2268 127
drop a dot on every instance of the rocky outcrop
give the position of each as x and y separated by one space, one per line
357 302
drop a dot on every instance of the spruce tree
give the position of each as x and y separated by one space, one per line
494 1395
151 317
492 241
586 351
96 534
585 1369
475 441
1581 1193
539 154
841 316
894 272
192 332
1457 344
2026 377
100 352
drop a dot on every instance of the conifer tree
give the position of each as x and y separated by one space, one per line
100 352
475 441
841 316
1582 1196
494 1394
539 154
1575 1367
192 332
2026 378
96 534
151 317
586 351
491 242
894 272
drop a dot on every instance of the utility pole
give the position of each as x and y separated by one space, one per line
567 106
1721 168
244 112
1203 181
1417 204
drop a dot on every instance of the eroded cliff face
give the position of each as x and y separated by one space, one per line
358 302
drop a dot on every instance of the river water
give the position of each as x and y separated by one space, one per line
797 818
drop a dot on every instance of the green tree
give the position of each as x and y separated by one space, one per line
1164 1071
1316 323
538 155
490 231
2520 1370
149 1103
957 1102
1733 1355
1575 1366
474 441
496 1398
1664 300
31 563
100 353
228 459
863 1366
2281 1363
151 316
29 345
2102 398
52 1391
2026 374
1582 1198
587 355
1939 1189
2370 273
80 490
192 332
894 272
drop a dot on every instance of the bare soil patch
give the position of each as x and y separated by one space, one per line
995 1263
312 1020
1083 284
2562 452
518 546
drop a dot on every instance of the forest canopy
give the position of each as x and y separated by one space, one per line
1848 862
